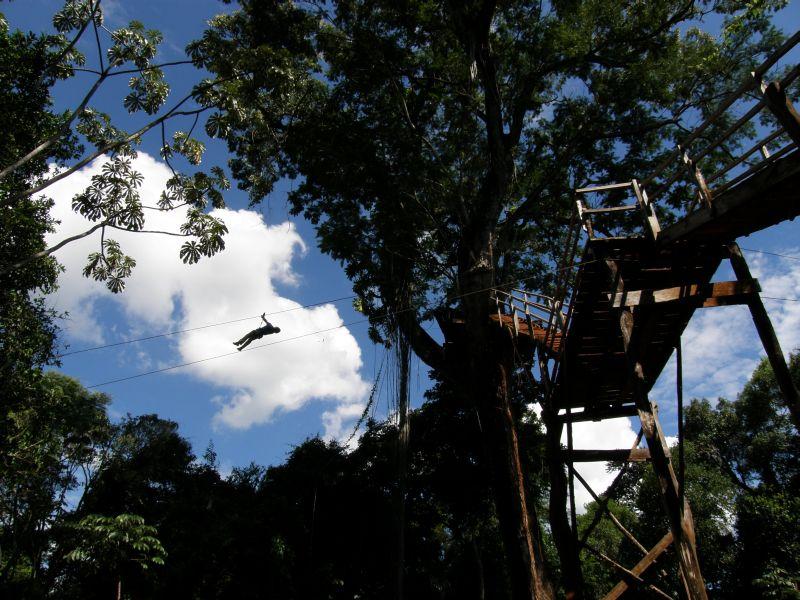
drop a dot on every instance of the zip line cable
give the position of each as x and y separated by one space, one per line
771 253
332 301
168 333
385 315
177 331
357 322
233 352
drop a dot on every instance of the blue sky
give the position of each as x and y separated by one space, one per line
256 405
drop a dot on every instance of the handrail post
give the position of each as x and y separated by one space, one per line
780 106
648 210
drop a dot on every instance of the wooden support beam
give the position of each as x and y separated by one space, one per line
609 494
610 209
600 414
629 577
648 212
782 108
603 188
641 566
768 338
679 516
620 455
723 292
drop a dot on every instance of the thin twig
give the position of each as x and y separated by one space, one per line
52 249
99 47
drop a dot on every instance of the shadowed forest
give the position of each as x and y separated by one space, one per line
324 523
435 148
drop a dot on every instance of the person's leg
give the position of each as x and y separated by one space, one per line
246 344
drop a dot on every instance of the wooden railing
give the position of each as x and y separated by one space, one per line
695 171
549 313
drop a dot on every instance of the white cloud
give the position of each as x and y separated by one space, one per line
164 294
338 422
114 13
721 346
604 435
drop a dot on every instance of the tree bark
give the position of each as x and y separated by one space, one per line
489 367
403 432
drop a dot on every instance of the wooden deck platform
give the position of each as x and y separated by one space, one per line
524 332
594 373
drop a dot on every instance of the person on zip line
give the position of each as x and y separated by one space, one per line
256 334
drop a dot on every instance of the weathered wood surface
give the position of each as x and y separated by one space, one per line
522 329
767 198
730 292
594 353
616 455
641 566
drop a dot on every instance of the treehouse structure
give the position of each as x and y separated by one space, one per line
624 300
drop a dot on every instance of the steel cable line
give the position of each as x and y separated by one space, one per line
385 315
771 253
177 331
331 301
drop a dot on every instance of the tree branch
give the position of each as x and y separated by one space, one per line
52 249
60 133
172 233
81 31
424 346
110 146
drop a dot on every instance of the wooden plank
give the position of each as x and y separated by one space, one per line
641 566
601 414
782 108
610 209
731 291
603 188
617 455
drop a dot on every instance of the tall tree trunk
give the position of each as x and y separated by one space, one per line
479 569
403 431
489 368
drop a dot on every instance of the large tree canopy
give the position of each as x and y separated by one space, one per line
434 140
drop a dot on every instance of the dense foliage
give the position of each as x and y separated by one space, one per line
321 525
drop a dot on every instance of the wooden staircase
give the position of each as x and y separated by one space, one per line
600 342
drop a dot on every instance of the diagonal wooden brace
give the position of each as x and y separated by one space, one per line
641 566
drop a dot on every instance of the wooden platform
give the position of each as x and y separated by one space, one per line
524 332
594 374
